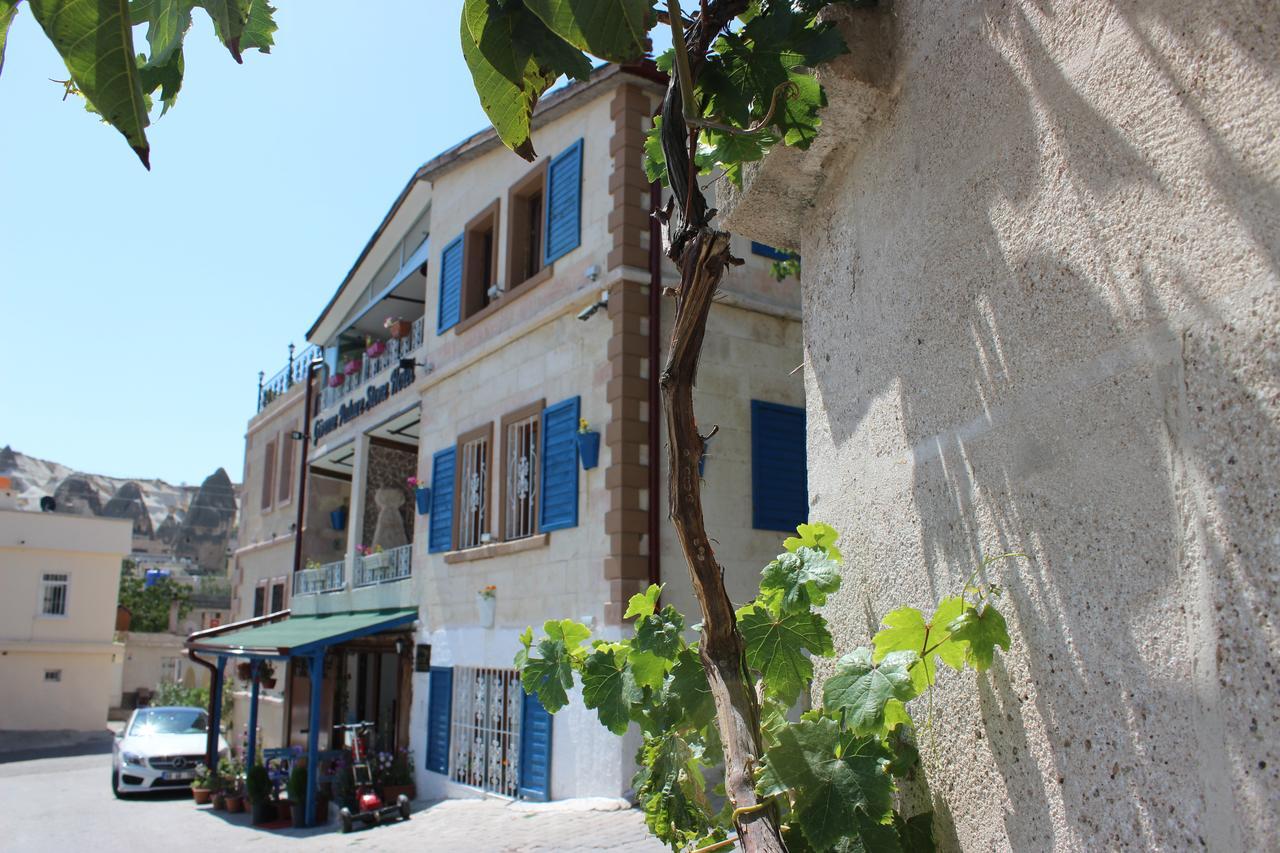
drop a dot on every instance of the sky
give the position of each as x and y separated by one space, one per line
136 307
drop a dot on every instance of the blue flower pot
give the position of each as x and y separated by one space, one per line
422 494
338 518
589 449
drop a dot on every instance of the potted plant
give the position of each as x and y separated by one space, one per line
487 602
374 348
267 674
421 494
296 788
244 670
257 785
398 328
588 445
395 773
201 785
336 380
232 785
352 367
374 558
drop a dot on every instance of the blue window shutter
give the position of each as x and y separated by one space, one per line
558 504
440 535
767 251
564 203
450 286
779 483
535 750
439 715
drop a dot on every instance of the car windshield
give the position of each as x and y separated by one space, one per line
170 721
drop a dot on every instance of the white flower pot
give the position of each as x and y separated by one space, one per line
488 607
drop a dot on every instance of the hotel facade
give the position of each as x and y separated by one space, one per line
498 340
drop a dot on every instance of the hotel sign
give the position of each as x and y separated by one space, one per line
374 395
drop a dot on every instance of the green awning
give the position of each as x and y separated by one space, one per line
303 635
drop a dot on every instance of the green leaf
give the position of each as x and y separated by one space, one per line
901 740
660 633
671 789
983 632
798 117
799 580
550 675
526 642
643 603
907 630
96 42
229 19
915 834
951 651
688 688
570 632
259 30
832 777
862 688
776 647
649 670
610 689
167 24
614 30
8 8
815 535
167 77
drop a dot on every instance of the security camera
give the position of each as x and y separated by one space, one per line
585 313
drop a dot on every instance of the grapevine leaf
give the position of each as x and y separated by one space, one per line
550 675
526 642
831 777
799 113
862 688
614 30
915 833
647 669
167 23
167 77
572 633
949 650
671 789
655 161
643 603
776 647
229 19
609 688
95 40
983 632
895 713
689 689
904 631
660 633
901 741
8 8
799 580
259 30
815 535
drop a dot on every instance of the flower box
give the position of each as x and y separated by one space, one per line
352 367
422 494
589 449
335 381
375 349
400 329
377 560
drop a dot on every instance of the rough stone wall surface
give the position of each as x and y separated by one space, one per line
389 467
1040 310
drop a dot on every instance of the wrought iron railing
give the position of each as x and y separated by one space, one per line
331 577
372 366
384 567
292 373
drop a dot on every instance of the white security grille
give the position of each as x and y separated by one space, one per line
473 514
521 444
54 595
485 731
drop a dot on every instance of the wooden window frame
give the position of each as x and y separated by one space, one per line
534 181
282 583
260 586
472 301
484 431
284 469
269 475
533 410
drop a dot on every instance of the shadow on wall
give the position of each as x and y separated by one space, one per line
1044 321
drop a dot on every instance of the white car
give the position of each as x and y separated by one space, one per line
159 750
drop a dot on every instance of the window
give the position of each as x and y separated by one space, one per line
480 261
170 670
440 534
779 488
471 517
450 286
53 595
260 600
53 675
268 473
564 203
526 219
286 465
485 722
277 597
518 505
558 507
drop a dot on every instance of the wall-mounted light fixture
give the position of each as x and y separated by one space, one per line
409 364
585 313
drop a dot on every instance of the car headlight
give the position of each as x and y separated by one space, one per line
133 758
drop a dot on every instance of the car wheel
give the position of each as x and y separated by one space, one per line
115 784
404 807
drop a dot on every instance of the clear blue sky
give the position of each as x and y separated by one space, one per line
138 307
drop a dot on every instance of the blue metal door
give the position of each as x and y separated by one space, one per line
535 750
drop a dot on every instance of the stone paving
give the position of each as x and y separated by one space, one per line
56 804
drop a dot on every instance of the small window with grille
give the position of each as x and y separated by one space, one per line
53 595
471 518
519 484
53 675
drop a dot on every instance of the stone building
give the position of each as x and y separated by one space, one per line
523 295
1040 246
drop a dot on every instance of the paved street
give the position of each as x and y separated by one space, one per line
65 804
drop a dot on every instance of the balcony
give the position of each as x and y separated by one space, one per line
292 373
384 567
371 367
331 577
376 582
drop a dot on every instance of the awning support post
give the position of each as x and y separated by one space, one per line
215 704
313 734
256 666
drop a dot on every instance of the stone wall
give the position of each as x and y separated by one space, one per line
389 468
1040 274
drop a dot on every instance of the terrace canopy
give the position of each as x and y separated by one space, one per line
280 636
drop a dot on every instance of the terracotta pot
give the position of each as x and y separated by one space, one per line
401 329
269 683
235 803
219 800
201 796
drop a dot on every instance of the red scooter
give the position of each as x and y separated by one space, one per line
369 806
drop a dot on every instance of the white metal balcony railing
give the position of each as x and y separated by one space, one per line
331 577
373 366
384 567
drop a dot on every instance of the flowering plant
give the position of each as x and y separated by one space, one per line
391 321
413 482
489 591
365 550
393 768
583 426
